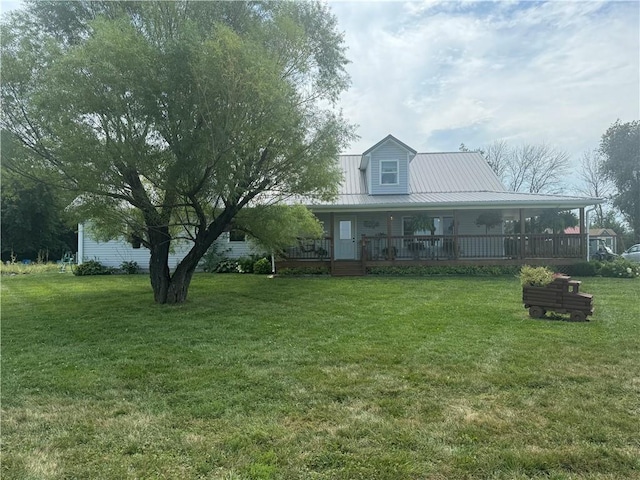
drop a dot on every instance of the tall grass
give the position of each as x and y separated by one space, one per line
315 378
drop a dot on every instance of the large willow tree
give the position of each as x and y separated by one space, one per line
176 119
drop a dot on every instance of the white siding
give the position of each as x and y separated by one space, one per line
113 252
237 249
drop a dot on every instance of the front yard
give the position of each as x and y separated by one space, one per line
325 378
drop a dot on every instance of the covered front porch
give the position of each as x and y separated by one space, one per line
356 241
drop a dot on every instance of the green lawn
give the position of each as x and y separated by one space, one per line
310 378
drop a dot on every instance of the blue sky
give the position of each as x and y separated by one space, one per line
436 74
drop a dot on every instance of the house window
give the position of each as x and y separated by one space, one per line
237 236
345 229
407 227
389 172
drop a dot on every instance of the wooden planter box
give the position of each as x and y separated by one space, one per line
560 296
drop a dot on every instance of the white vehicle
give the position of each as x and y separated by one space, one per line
632 253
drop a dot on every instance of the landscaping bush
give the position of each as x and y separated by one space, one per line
130 268
245 264
422 271
227 266
583 269
92 267
619 268
535 276
303 271
213 258
262 266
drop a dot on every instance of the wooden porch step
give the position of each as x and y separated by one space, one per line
347 269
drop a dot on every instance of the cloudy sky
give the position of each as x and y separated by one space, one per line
439 73
436 74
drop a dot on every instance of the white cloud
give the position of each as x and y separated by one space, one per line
436 74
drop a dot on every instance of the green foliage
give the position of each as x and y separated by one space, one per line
489 220
227 266
582 269
618 268
262 266
275 227
214 256
129 267
31 219
91 267
424 271
422 223
556 220
301 271
535 276
30 268
188 111
620 146
245 264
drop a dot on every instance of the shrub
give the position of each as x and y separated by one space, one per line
303 271
583 269
130 268
227 266
262 266
535 276
92 267
245 264
423 270
213 258
619 268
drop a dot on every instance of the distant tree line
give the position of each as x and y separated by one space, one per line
611 171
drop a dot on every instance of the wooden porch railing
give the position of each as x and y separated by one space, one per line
447 247
310 249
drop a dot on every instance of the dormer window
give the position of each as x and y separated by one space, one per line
389 172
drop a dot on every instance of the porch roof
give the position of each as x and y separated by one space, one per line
452 200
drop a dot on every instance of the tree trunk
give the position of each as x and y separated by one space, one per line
159 266
168 288
173 289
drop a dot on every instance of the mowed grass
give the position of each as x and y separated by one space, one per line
315 378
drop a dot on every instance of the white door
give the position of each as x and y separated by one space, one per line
345 241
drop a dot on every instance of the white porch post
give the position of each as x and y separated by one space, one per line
523 243
80 255
583 237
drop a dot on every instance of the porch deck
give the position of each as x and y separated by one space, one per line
532 249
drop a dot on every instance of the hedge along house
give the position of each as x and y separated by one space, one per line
399 207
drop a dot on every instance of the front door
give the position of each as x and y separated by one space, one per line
345 241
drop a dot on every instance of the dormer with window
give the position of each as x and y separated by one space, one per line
386 167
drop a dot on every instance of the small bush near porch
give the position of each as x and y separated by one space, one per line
326 378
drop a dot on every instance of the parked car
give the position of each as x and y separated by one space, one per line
632 253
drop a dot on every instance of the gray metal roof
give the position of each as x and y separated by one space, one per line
390 137
441 180
457 200
430 172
